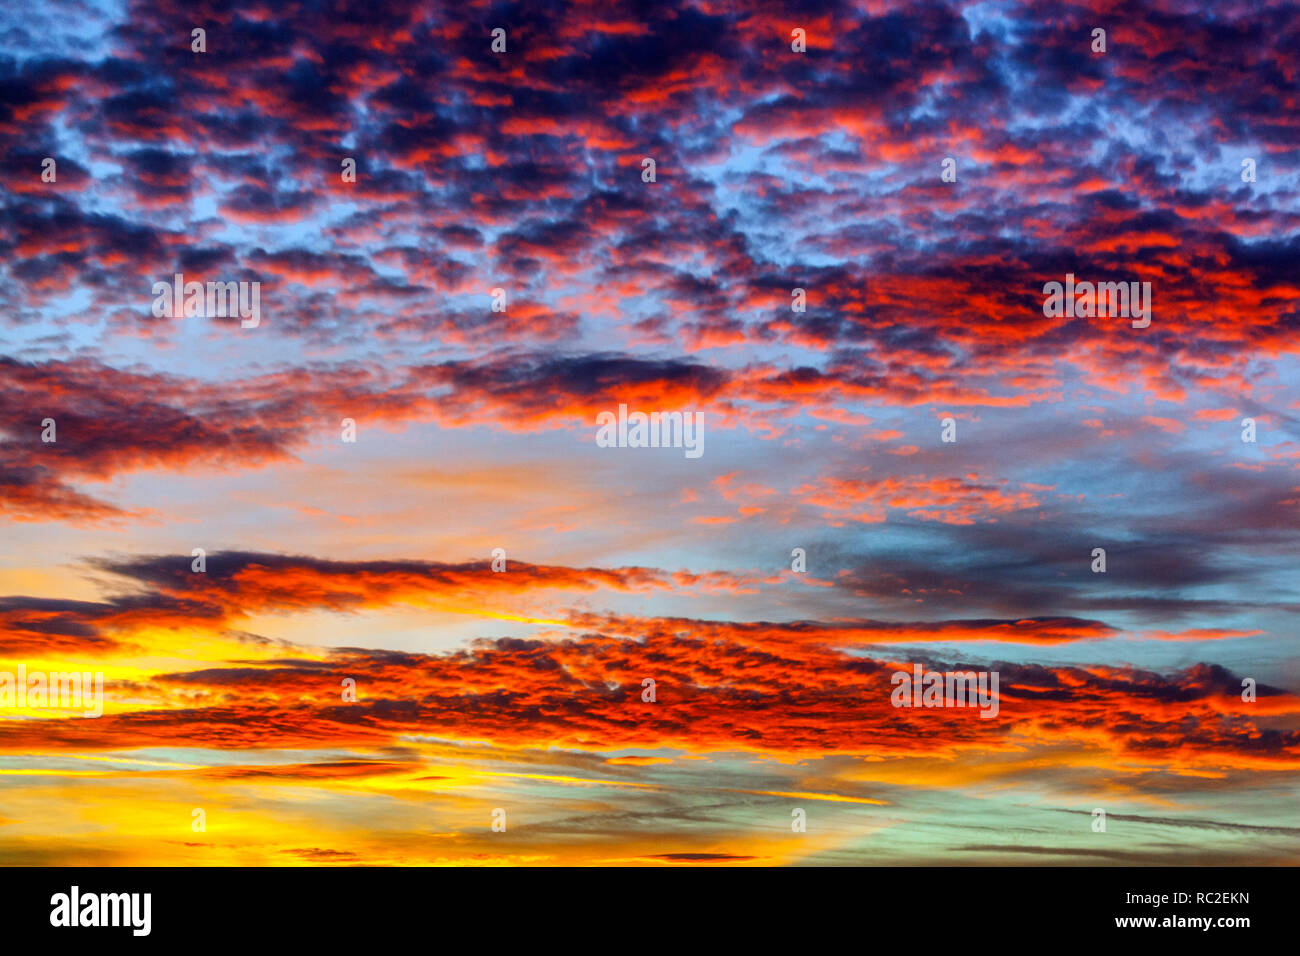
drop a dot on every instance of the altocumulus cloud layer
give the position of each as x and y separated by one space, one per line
522 689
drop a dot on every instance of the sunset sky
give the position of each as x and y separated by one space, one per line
521 690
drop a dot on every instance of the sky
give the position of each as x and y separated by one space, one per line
428 599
